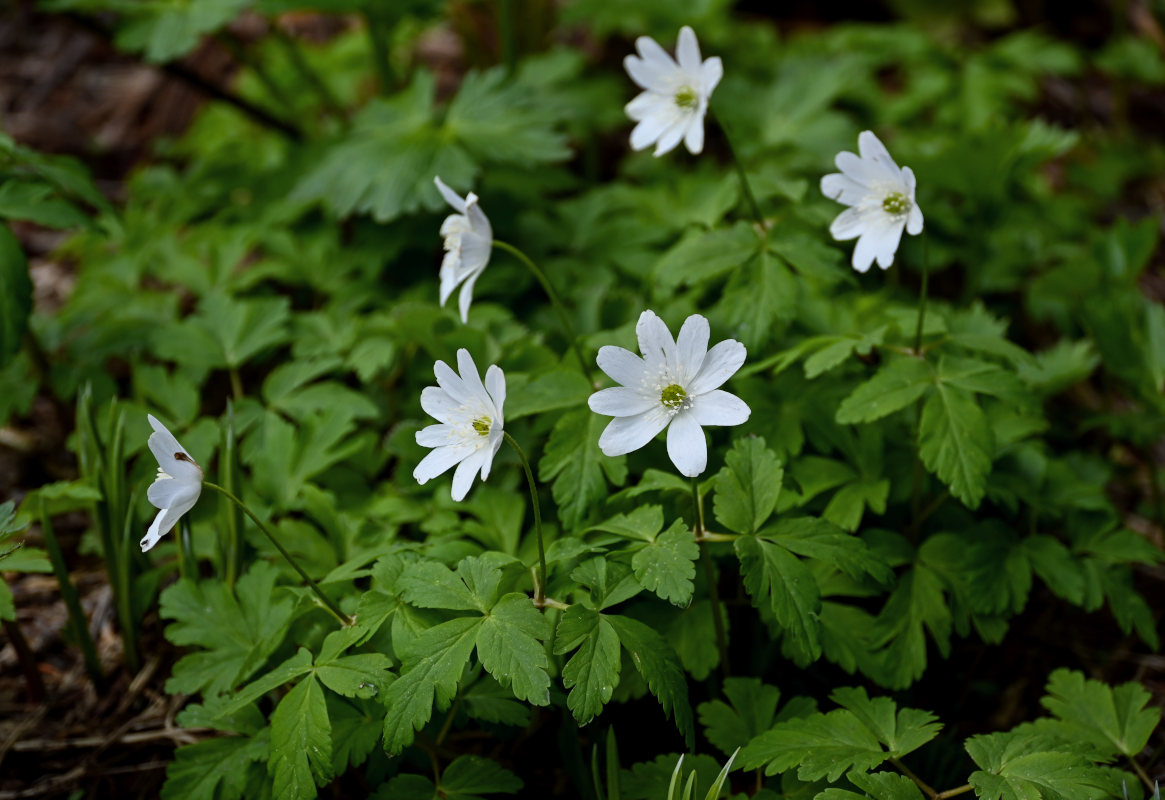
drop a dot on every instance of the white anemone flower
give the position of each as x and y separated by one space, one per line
675 93
177 487
675 385
470 416
881 202
468 243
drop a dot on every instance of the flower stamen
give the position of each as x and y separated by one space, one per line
896 203
686 97
673 397
482 426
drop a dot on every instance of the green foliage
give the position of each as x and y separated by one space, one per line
15 296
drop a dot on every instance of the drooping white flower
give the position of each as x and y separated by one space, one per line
468 244
675 385
470 416
675 93
881 202
177 487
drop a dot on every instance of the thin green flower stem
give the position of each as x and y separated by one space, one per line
1141 773
745 186
236 383
344 619
922 298
966 787
69 594
905 770
540 587
24 655
377 33
559 308
710 578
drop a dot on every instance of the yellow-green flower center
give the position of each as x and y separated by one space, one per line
673 396
686 97
896 203
482 425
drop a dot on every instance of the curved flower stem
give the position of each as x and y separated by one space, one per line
905 770
540 584
344 619
921 299
966 787
710 577
559 308
745 186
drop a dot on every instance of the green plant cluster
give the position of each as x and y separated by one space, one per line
904 482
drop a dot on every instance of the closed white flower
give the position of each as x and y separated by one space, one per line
470 416
675 93
468 244
675 385
881 202
177 487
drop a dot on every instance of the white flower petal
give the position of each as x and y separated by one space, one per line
843 189
472 379
622 365
655 56
648 130
478 223
865 250
495 384
710 74
466 471
627 434
910 181
438 404
686 445
688 51
644 105
451 197
163 523
672 135
719 408
440 435
465 299
655 340
172 456
171 493
691 347
914 220
440 460
858 170
619 401
451 382
873 151
694 138
849 224
887 243
495 439
721 363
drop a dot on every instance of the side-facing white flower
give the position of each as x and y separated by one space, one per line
177 487
675 95
676 383
470 416
881 202
468 243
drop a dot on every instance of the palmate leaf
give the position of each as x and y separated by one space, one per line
666 565
956 442
237 635
470 777
301 742
753 711
902 731
703 255
748 486
1114 719
509 645
875 785
785 592
214 769
821 539
894 387
592 673
1019 765
580 471
916 606
760 294
660 668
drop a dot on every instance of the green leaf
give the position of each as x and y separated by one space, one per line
1021 766
660 668
502 121
431 671
15 296
592 673
572 459
355 732
36 202
488 701
1115 720
759 295
301 742
470 777
213 769
166 31
237 635
876 785
748 486
609 582
902 731
917 605
358 675
550 391
509 644
893 387
289 670
956 442
431 584
667 567
820 746
784 591
817 538
643 524
752 711
703 255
